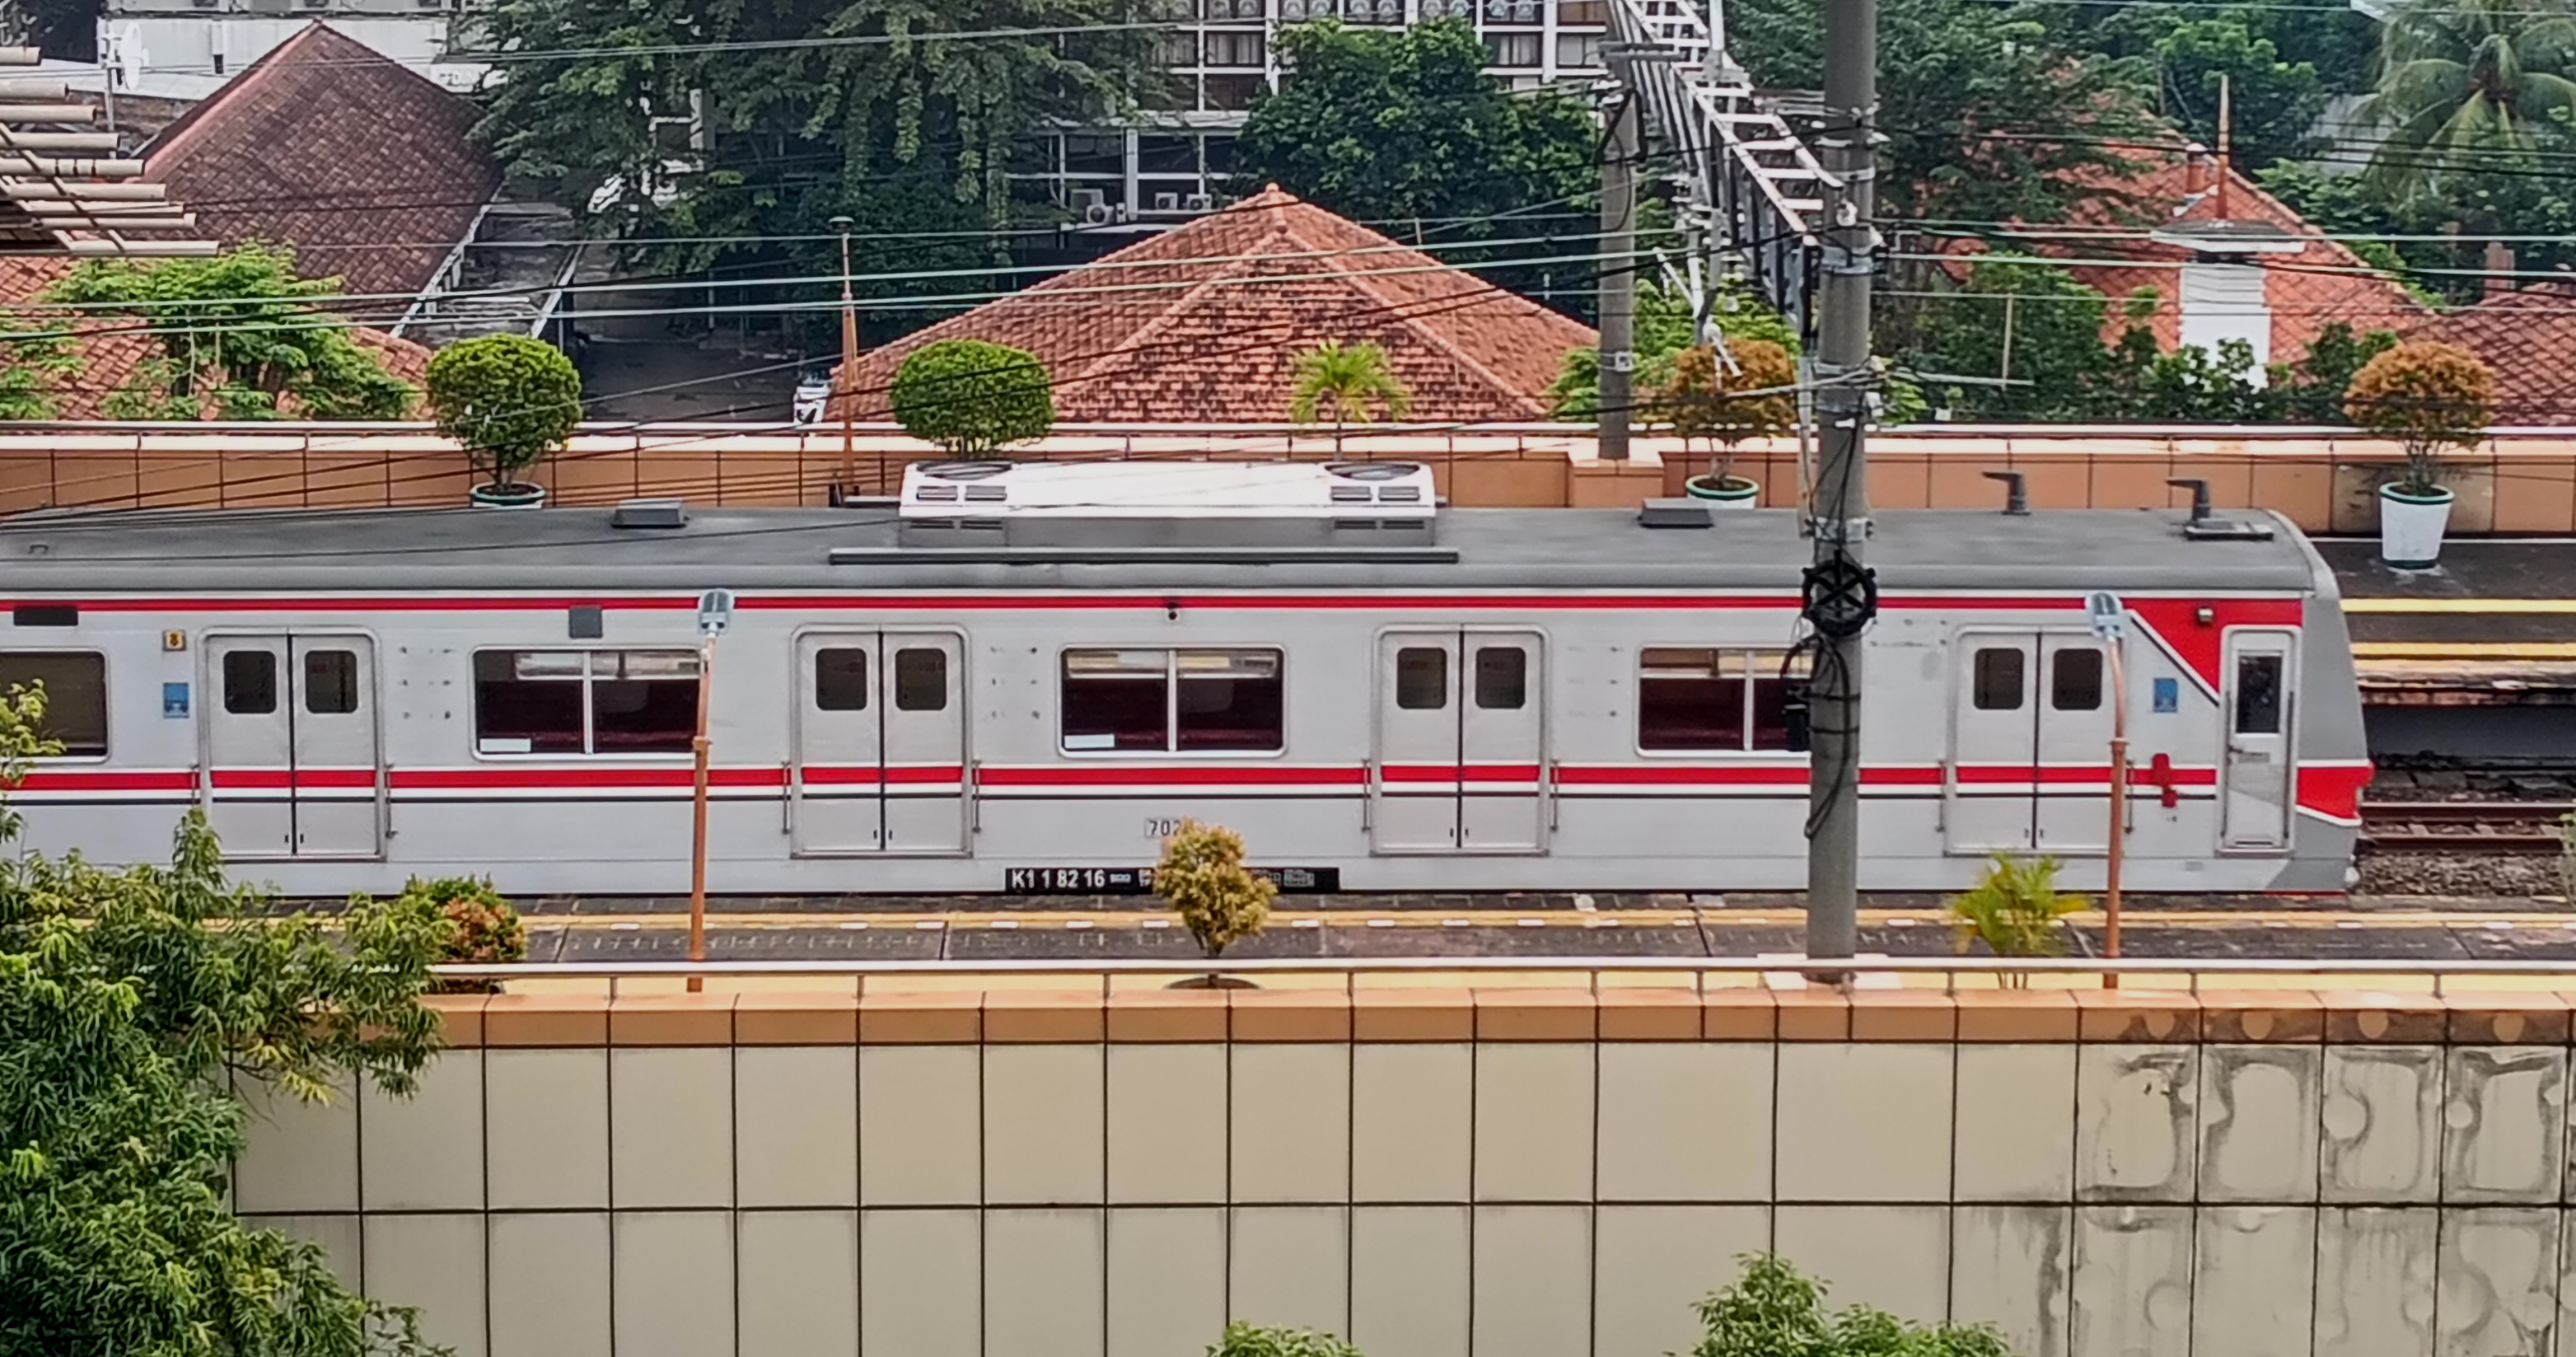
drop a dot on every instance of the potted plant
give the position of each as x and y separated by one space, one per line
1706 399
2427 396
972 397
1203 879
507 400
1343 379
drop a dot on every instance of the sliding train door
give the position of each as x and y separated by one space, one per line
879 744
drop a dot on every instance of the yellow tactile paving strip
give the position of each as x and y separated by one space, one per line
1627 918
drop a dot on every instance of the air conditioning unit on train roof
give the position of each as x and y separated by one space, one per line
1167 504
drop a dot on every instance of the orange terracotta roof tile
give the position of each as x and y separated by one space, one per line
1205 322
2306 291
2529 338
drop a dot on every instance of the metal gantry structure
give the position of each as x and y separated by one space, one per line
1801 227
70 192
1752 193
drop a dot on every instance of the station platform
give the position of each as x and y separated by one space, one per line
2475 659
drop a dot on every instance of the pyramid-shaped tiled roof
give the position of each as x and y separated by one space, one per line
363 165
1204 324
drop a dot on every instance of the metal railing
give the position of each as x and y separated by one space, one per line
1860 972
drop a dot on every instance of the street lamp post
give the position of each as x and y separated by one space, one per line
841 385
2110 623
715 613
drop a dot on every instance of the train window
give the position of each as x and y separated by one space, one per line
643 701
1690 699
1421 678
920 679
1117 699
1779 701
250 682
529 702
1719 700
1997 681
1502 677
330 682
2075 680
2258 694
1201 701
569 702
841 679
75 684
1229 700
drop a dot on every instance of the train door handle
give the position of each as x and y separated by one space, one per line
1368 795
791 783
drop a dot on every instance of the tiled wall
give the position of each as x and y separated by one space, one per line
2518 481
1512 1173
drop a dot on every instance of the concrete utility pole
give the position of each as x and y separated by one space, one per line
1618 287
1841 596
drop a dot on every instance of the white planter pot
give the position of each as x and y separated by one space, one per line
509 497
1735 492
2410 527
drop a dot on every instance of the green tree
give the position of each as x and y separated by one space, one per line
1344 381
1403 126
36 362
240 338
2273 100
2024 325
972 397
2469 87
1663 327
132 1004
1773 1311
1252 1340
1991 113
672 118
506 399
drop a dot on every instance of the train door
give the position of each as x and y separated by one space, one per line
2259 770
1461 762
925 742
1414 793
1994 743
2071 811
2030 745
1502 773
880 744
292 762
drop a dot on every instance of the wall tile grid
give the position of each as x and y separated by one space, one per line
1451 1174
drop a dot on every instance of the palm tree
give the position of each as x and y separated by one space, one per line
1345 379
2467 81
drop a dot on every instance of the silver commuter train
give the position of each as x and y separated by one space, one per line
1022 677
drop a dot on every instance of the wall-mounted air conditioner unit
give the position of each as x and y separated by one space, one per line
1199 202
1167 202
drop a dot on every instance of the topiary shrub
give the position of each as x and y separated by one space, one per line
482 928
1203 879
2427 396
972 398
507 400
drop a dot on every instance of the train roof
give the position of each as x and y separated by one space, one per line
862 548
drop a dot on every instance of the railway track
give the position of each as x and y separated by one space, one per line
2463 826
